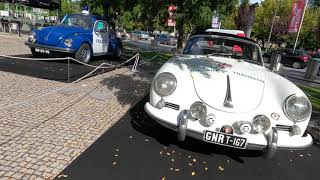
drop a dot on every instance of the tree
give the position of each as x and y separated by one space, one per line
246 17
68 7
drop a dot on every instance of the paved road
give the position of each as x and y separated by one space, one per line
138 148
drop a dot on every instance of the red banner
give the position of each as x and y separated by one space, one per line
297 10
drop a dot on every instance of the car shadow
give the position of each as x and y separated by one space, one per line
142 123
57 70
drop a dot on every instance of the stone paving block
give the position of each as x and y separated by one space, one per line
46 135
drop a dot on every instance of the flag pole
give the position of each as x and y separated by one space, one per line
304 11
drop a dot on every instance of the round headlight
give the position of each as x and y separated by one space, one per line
297 108
261 124
32 37
198 110
68 42
164 84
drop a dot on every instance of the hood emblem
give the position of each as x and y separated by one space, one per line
228 100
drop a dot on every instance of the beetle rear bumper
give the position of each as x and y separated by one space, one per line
270 143
50 48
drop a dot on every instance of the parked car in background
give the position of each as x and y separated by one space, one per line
140 35
78 35
167 39
232 99
289 57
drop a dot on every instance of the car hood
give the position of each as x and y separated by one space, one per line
210 76
54 34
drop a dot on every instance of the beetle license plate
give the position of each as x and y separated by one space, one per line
44 51
225 139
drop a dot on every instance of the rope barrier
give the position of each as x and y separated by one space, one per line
101 66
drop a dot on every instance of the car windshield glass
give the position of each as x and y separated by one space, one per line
224 46
78 20
145 33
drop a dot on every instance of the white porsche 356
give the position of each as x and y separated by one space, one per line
219 91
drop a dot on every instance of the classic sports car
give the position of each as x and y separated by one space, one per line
81 35
219 91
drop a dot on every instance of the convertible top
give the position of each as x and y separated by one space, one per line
225 34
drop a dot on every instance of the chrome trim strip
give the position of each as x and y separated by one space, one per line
228 100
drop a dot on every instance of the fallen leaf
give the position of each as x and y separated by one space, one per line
130 137
194 160
193 173
62 176
204 162
116 155
221 168
146 140
171 169
168 154
228 161
309 155
161 152
114 163
163 178
290 160
206 168
173 151
172 160
189 156
177 170
301 155
117 150
190 164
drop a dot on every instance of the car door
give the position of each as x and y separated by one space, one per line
100 38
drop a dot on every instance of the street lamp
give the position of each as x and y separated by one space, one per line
273 20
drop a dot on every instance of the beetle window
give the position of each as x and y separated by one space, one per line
101 26
77 20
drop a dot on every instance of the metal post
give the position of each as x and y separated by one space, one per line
274 18
68 70
304 11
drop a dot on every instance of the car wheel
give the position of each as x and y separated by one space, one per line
117 53
34 53
297 65
84 53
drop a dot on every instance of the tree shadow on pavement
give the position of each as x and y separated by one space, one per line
144 124
128 88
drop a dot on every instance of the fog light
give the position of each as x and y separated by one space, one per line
161 104
210 119
245 128
295 130
261 124
227 129
198 110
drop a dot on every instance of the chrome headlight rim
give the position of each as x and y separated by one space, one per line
173 79
68 42
32 37
256 118
198 104
288 115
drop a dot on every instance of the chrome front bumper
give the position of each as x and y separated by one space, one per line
270 148
50 48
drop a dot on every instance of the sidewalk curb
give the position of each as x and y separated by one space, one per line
303 79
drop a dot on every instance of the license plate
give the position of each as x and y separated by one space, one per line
225 139
44 51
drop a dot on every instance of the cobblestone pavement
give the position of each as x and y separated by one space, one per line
13 44
40 138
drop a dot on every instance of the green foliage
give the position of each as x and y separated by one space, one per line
69 7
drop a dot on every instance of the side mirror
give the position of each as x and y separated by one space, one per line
275 62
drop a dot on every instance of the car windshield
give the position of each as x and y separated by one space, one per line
83 21
224 46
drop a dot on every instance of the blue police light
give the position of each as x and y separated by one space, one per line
85 9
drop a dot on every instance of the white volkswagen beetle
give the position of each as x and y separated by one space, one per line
219 91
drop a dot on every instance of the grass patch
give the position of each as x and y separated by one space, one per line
313 94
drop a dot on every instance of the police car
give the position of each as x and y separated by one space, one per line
81 35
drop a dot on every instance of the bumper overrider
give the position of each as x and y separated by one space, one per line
269 142
50 48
